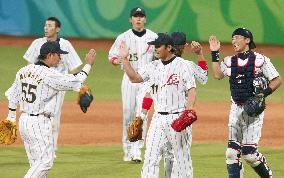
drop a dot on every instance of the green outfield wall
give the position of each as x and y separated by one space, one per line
107 18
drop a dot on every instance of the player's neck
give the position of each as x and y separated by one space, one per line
168 59
52 38
139 33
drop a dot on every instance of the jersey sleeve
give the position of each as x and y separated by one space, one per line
114 50
13 94
65 82
188 78
199 74
225 65
268 69
72 58
31 54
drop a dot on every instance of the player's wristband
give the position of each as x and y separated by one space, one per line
86 69
267 91
113 60
12 114
215 56
203 64
147 103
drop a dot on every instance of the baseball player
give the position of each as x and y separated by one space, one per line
140 54
35 91
173 91
70 62
244 131
200 73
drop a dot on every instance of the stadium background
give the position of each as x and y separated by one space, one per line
90 143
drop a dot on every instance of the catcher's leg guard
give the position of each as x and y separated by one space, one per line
234 164
257 161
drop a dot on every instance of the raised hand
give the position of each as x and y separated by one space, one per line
214 43
90 57
196 47
123 50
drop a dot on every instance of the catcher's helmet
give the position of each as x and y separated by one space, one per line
245 33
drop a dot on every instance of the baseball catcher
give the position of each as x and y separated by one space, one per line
85 98
8 132
134 130
184 120
256 104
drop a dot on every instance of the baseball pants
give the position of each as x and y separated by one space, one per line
159 133
36 132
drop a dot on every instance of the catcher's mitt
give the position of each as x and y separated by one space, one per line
8 132
184 120
85 98
134 130
254 106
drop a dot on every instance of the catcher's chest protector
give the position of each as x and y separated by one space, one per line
241 80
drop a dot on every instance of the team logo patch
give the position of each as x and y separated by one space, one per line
172 80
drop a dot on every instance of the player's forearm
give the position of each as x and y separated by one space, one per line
191 98
130 72
275 83
216 70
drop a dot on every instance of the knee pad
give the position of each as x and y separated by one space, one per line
251 156
233 153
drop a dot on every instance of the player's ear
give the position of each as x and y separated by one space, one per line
247 40
58 29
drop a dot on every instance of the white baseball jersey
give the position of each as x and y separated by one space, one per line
170 83
252 133
68 61
140 54
36 86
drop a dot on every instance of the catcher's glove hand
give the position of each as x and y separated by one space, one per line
185 119
134 130
85 98
8 132
254 106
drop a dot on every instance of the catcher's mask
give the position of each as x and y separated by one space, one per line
245 33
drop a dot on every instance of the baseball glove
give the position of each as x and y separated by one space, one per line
85 98
134 130
8 132
254 106
184 120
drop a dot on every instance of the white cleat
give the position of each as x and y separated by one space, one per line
127 158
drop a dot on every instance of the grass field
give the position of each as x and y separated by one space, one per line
104 161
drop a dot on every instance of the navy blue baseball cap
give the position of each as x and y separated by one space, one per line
179 38
245 33
137 11
51 47
163 39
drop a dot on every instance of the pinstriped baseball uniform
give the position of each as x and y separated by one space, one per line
170 84
200 75
35 89
68 62
140 54
244 129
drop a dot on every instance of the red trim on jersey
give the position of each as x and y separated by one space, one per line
112 60
147 103
203 64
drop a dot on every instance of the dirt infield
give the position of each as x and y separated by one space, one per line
103 122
